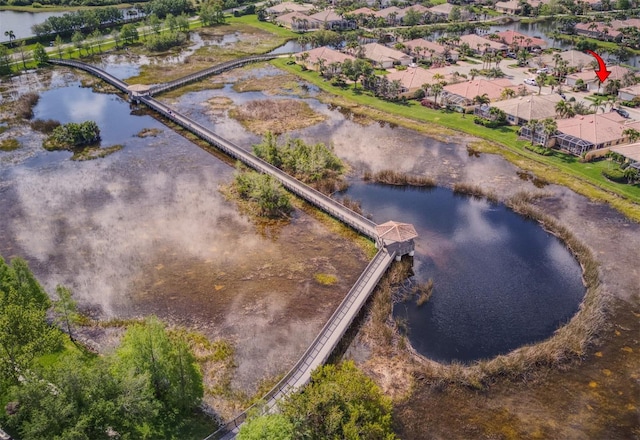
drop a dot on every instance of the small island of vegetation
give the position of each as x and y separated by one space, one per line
72 135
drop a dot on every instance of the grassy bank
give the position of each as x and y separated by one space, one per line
557 168
57 8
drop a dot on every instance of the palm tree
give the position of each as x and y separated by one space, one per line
507 93
481 99
549 127
632 134
11 36
531 126
436 89
473 73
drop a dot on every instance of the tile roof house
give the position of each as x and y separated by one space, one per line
426 47
331 20
285 7
328 56
516 39
385 57
525 108
392 14
297 21
413 78
575 58
510 7
591 79
462 94
600 31
442 10
584 133
481 45
629 93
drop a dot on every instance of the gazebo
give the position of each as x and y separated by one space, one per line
137 90
397 237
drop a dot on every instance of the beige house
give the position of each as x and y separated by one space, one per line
481 45
442 10
426 49
511 7
462 94
413 78
322 57
385 57
629 93
331 20
297 21
598 30
591 80
574 58
522 109
286 7
515 39
584 133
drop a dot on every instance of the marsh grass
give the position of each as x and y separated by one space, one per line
91 153
325 279
474 191
277 116
148 132
424 292
352 204
45 126
10 144
23 107
390 177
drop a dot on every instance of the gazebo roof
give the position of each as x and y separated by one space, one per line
394 231
138 88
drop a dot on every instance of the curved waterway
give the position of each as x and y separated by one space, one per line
500 280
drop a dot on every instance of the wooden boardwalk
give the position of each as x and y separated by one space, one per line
328 338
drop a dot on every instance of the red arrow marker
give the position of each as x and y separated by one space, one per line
602 71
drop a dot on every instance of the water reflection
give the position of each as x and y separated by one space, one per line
500 280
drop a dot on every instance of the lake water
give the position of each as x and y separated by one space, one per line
20 22
500 280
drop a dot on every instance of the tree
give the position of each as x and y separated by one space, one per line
564 109
632 134
531 127
96 37
22 49
455 14
182 22
267 427
174 376
612 87
129 33
412 18
11 35
40 55
211 12
340 402
5 60
78 41
58 43
66 310
481 99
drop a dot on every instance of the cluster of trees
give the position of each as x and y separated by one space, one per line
73 135
340 402
211 12
625 173
139 391
309 163
39 3
265 192
85 20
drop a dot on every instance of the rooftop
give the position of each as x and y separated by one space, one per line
394 231
478 87
327 54
631 151
596 128
530 107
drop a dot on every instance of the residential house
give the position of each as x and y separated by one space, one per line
631 152
321 57
516 40
629 93
286 7
422 48
591 80
331 20
442 11
393 15
574 58
297 21
462 94
385 57
511 7
584 133
482 45
596 5
600 31
522 109
413 78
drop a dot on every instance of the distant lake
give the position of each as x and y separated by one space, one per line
20 22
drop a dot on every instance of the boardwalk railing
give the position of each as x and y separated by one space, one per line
323 345
214 70
119 84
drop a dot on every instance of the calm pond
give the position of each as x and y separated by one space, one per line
500 280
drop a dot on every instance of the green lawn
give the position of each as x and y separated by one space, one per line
558 168
252 20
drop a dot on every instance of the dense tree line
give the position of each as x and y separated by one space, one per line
39 3
309 163
140 391
85 20
73 135
265 192
340 402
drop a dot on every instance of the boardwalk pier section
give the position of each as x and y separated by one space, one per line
392 239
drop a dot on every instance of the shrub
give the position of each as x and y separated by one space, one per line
615 175
71 135
45 126
266 192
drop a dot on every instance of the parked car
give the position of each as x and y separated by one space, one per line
622 112
512 55
543 70
531 82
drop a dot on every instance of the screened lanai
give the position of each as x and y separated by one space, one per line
573 144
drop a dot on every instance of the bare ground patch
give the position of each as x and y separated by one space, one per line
285 84
277 116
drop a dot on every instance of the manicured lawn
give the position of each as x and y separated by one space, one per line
557 168
252 20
